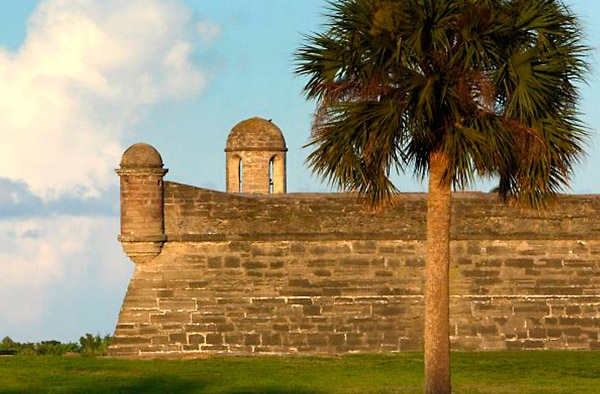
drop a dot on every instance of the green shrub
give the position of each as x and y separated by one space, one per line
9 347
55 348
91 345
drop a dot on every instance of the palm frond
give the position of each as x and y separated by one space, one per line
491 83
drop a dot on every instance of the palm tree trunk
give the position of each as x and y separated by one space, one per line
437 343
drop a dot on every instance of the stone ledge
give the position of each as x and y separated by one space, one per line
174 237
142 238
141 171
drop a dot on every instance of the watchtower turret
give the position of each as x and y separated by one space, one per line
142 217
255 155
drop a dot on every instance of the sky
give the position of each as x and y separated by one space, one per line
81 80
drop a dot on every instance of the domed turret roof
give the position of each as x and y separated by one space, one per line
141 156
255 134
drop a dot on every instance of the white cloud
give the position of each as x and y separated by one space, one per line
208 31
49 265
84 74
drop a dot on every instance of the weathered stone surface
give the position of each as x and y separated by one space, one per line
319 273
196 214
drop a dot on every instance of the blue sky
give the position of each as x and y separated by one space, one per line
83 79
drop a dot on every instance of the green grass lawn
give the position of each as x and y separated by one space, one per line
490 372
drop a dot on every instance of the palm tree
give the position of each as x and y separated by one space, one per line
91 345
453 89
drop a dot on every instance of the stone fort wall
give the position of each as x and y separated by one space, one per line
320 274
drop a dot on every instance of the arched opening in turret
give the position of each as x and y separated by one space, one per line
241 175
271 174
234 173
277 173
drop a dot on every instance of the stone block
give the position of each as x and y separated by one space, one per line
171 317
135 316
572 331
197 339
271 339
177 304
215 262
337 339
232 262
368 247
276 265
178 338
214 339
130 340
319 340
355 339
140 303
533 344
322 272
488 330
519 263
415 262
538 333
251 265
573 309
123 351
295 339
239 246
514 345
312 310
355 261
252 339
160 340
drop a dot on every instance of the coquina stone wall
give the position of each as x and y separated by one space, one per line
320 274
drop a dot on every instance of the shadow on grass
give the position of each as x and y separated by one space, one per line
271 391
152 384
115 385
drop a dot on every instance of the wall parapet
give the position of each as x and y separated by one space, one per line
197 214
